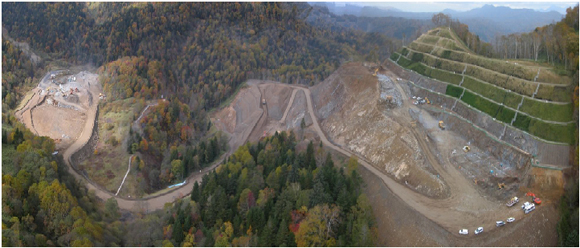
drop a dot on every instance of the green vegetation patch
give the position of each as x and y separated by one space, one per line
544 130
394 56
449 44
445 33
505 114
480 103
509 68
553 132
453 91
484 89
430 39
424 48
445 76
548 111
557 93
404 51
404 62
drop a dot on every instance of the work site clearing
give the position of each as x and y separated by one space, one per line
412 163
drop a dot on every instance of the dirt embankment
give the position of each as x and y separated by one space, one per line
239 119
89 147
297 112
352 114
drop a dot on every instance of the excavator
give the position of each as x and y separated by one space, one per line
376 70
535 199
441 125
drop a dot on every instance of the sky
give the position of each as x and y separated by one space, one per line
434 6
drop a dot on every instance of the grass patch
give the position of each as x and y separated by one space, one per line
445 76
480 103
394 56
486 90
505 114
404 62
544 130
25 99
445 33
404 51
424 48
453 91
109 164
429 39
548 111
522 122
553 132
449 44
558 93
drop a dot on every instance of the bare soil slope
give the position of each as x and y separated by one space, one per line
349 106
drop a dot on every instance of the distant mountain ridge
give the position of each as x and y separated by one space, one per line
487 21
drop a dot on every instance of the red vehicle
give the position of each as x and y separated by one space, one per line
535 199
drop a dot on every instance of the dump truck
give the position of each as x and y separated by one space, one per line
441 125
264 101
512 202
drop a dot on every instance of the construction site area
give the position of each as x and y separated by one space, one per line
435 167
60 105
438 166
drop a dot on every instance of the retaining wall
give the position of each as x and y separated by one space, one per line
546 152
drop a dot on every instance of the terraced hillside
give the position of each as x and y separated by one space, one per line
518 94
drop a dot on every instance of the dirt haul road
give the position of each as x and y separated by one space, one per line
149 204
464 208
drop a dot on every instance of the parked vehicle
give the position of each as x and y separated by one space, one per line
528 207
464 231
499 223
479 230
512 202
511 219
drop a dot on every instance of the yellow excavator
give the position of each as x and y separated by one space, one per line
376 70
441 125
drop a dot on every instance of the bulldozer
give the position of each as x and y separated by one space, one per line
441 124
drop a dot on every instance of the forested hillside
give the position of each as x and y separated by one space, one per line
194 54
268 194
42 205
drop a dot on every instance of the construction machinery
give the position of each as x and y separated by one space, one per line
528 207
512 202
427 100
466 148
376 70
441 125
535 199
264 101
500 185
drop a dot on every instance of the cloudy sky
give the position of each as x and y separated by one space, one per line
432 6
